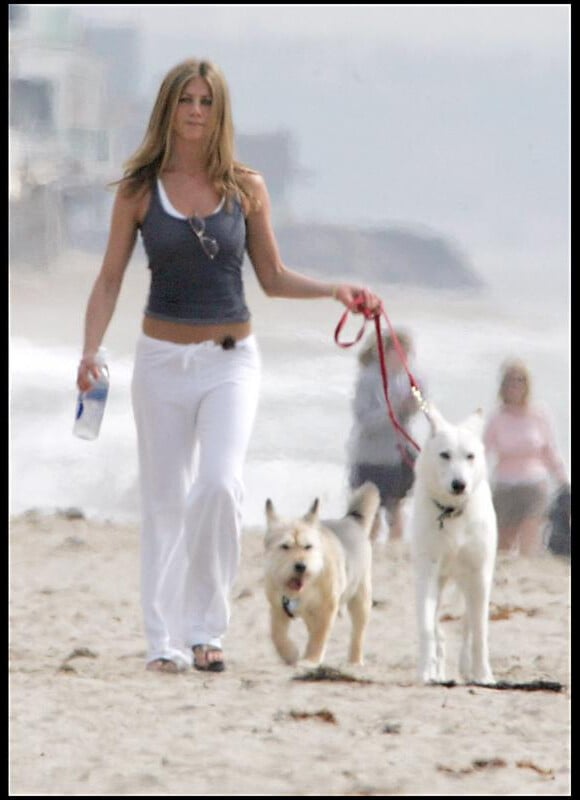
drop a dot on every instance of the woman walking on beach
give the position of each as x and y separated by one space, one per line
197 364
522 448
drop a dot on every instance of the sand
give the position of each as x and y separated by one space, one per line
87 719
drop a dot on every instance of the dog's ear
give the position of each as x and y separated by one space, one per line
271 515
436 420
312 515
474 422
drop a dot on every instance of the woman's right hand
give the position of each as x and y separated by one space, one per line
88 372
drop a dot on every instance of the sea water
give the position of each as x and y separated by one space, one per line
298 448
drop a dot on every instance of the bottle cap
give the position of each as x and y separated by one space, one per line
101 357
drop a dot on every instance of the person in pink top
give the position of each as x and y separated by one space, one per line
524 460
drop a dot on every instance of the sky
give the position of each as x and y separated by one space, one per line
451 117
485 25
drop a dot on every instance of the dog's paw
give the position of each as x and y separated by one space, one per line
431 674
290 656
479 674
288 652
485 677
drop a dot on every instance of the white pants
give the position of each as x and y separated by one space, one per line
194 408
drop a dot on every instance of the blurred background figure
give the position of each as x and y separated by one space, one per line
558 536
524 463
377 452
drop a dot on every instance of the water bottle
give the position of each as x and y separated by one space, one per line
91 404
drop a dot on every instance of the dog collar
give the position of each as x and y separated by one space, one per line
447 512
290 606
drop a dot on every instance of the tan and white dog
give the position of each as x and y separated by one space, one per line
454 537
314 567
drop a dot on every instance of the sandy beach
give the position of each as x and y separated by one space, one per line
87 719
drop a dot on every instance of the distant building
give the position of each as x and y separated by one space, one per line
58 90
119 51
76 115
68 126
273 154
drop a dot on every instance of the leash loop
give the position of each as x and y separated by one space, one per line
342 322
376 317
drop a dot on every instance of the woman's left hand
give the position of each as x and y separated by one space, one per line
358 299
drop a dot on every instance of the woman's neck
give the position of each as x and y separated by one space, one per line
187 160
516 408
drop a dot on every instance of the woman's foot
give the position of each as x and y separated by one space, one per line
208 658
162 665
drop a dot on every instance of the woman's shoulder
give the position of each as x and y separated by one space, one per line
251 182
495 418
253 189
248 176
534 414
542 415
133 201
527 415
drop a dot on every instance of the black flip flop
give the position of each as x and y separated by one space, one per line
210 666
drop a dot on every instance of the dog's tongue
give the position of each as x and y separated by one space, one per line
295 584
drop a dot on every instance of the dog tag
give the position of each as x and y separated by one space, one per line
290 606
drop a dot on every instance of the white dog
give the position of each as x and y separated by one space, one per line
454 535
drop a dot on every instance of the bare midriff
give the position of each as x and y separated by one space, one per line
183 333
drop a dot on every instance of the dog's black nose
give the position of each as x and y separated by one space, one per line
458 487
299 567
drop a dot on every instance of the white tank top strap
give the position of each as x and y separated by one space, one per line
173 212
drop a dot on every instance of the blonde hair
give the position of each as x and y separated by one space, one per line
370 350
152 156
514 366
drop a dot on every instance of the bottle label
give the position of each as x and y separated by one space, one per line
97 393
90 408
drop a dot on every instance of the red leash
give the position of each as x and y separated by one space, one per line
376 316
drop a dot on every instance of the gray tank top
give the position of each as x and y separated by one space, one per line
186 284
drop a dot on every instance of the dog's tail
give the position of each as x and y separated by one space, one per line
364 506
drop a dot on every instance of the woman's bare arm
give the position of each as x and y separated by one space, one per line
275 278
105 291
